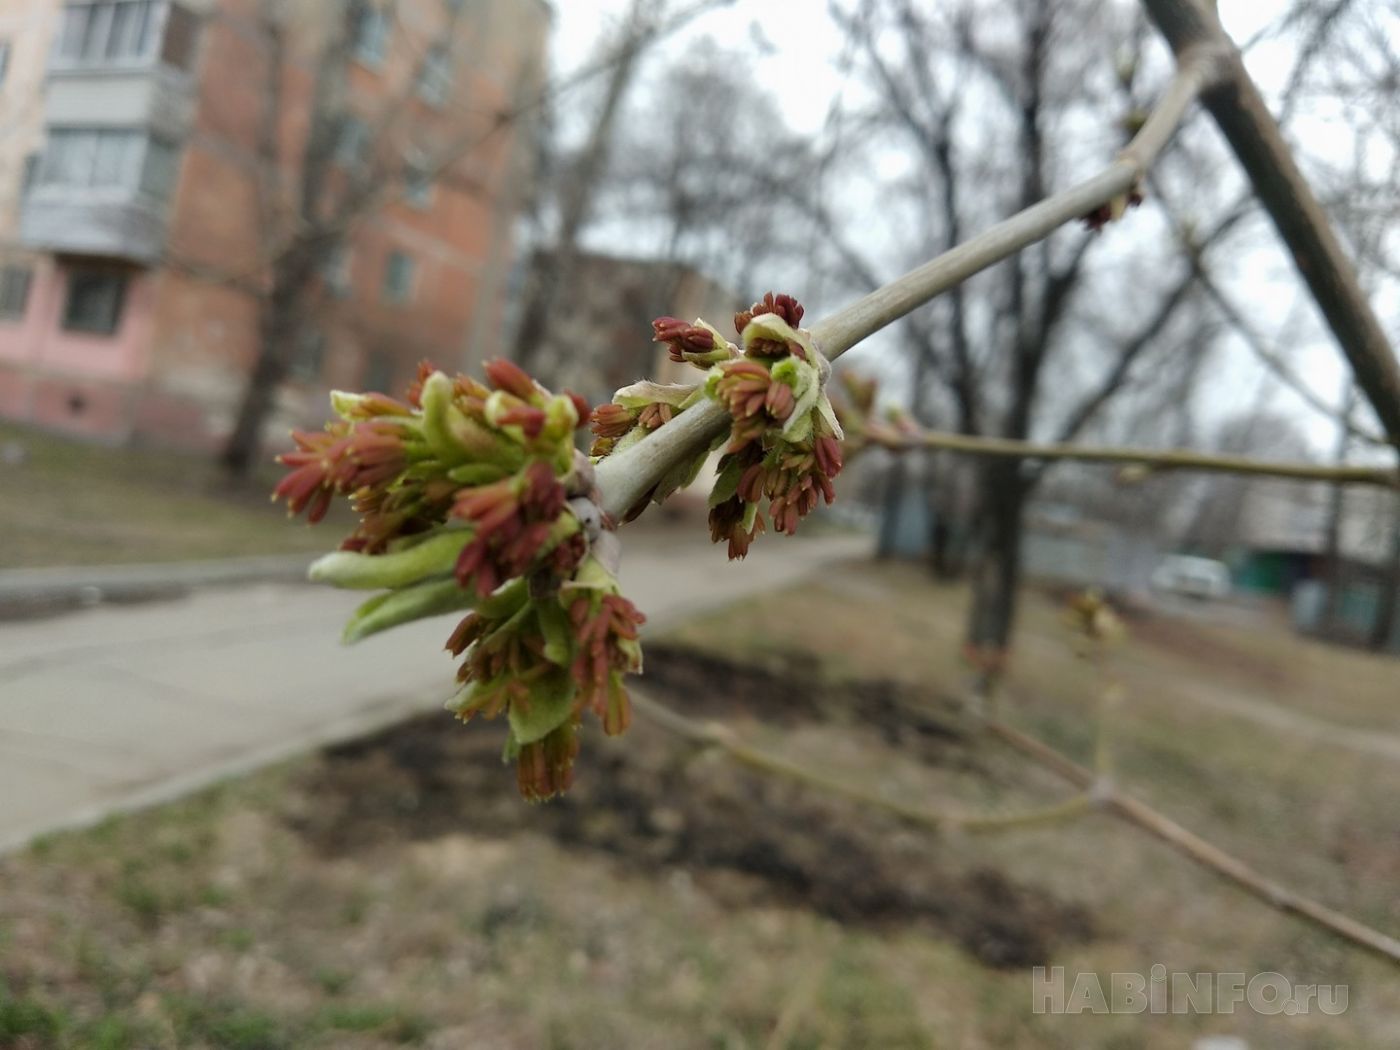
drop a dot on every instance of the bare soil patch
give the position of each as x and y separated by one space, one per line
655 803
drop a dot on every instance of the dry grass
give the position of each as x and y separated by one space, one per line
70 503
394 893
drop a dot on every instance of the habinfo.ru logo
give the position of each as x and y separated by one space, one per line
1161 992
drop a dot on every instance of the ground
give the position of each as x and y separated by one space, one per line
72 503
394 891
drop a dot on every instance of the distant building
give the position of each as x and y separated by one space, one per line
136 201
1282 540
600 331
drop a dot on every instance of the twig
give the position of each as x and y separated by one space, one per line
847 327
714 735
1253 134
1164 459
1201 851
1274 361
626 477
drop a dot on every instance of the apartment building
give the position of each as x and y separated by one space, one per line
161 158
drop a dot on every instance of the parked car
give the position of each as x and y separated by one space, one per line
1192 577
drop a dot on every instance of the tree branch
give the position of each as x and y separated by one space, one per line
1201 851
626 477
1239 110
713 734
863 318
1164 459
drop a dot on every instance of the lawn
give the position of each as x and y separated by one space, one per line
394 891
65 502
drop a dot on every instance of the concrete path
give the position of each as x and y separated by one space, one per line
112 708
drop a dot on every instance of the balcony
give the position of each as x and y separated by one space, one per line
101 36
101 191
119 98
123 63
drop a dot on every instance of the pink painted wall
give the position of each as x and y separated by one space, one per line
75 380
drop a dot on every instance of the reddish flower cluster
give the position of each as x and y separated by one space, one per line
612 422
606 628
512 521
785 307
790 461
755 401
793 481
509 665
486 483
1101 216
340 460
503 663
545 768
682 337
737 524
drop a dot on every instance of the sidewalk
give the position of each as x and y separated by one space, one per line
110 709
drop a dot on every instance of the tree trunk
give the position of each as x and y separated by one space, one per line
896 481
278 337
294 266
1332 626
552 271
997 573
1384 626
941 501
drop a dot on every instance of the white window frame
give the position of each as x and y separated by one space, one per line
396 292
371 43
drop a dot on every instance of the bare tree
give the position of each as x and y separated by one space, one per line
314 189
582 178
971 96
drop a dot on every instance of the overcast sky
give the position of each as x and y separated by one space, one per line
799 70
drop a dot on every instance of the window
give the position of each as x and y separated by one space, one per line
379 372
14 292
109 157
310 355
159 171
97 32
398 278
94 301
418 188
372 35
336 271
352 143
435 77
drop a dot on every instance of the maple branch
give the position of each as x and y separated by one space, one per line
626 477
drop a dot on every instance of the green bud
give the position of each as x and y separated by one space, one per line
429 598
771 326
434 556
442 420
644 393
550 705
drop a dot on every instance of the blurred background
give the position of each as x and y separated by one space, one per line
213 212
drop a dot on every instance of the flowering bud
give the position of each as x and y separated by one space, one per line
783 306
698 344
511 378
473 496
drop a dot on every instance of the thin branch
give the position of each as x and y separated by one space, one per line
1253 134
1273 360
847 327
1199 850
898 440
712 734
627 477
